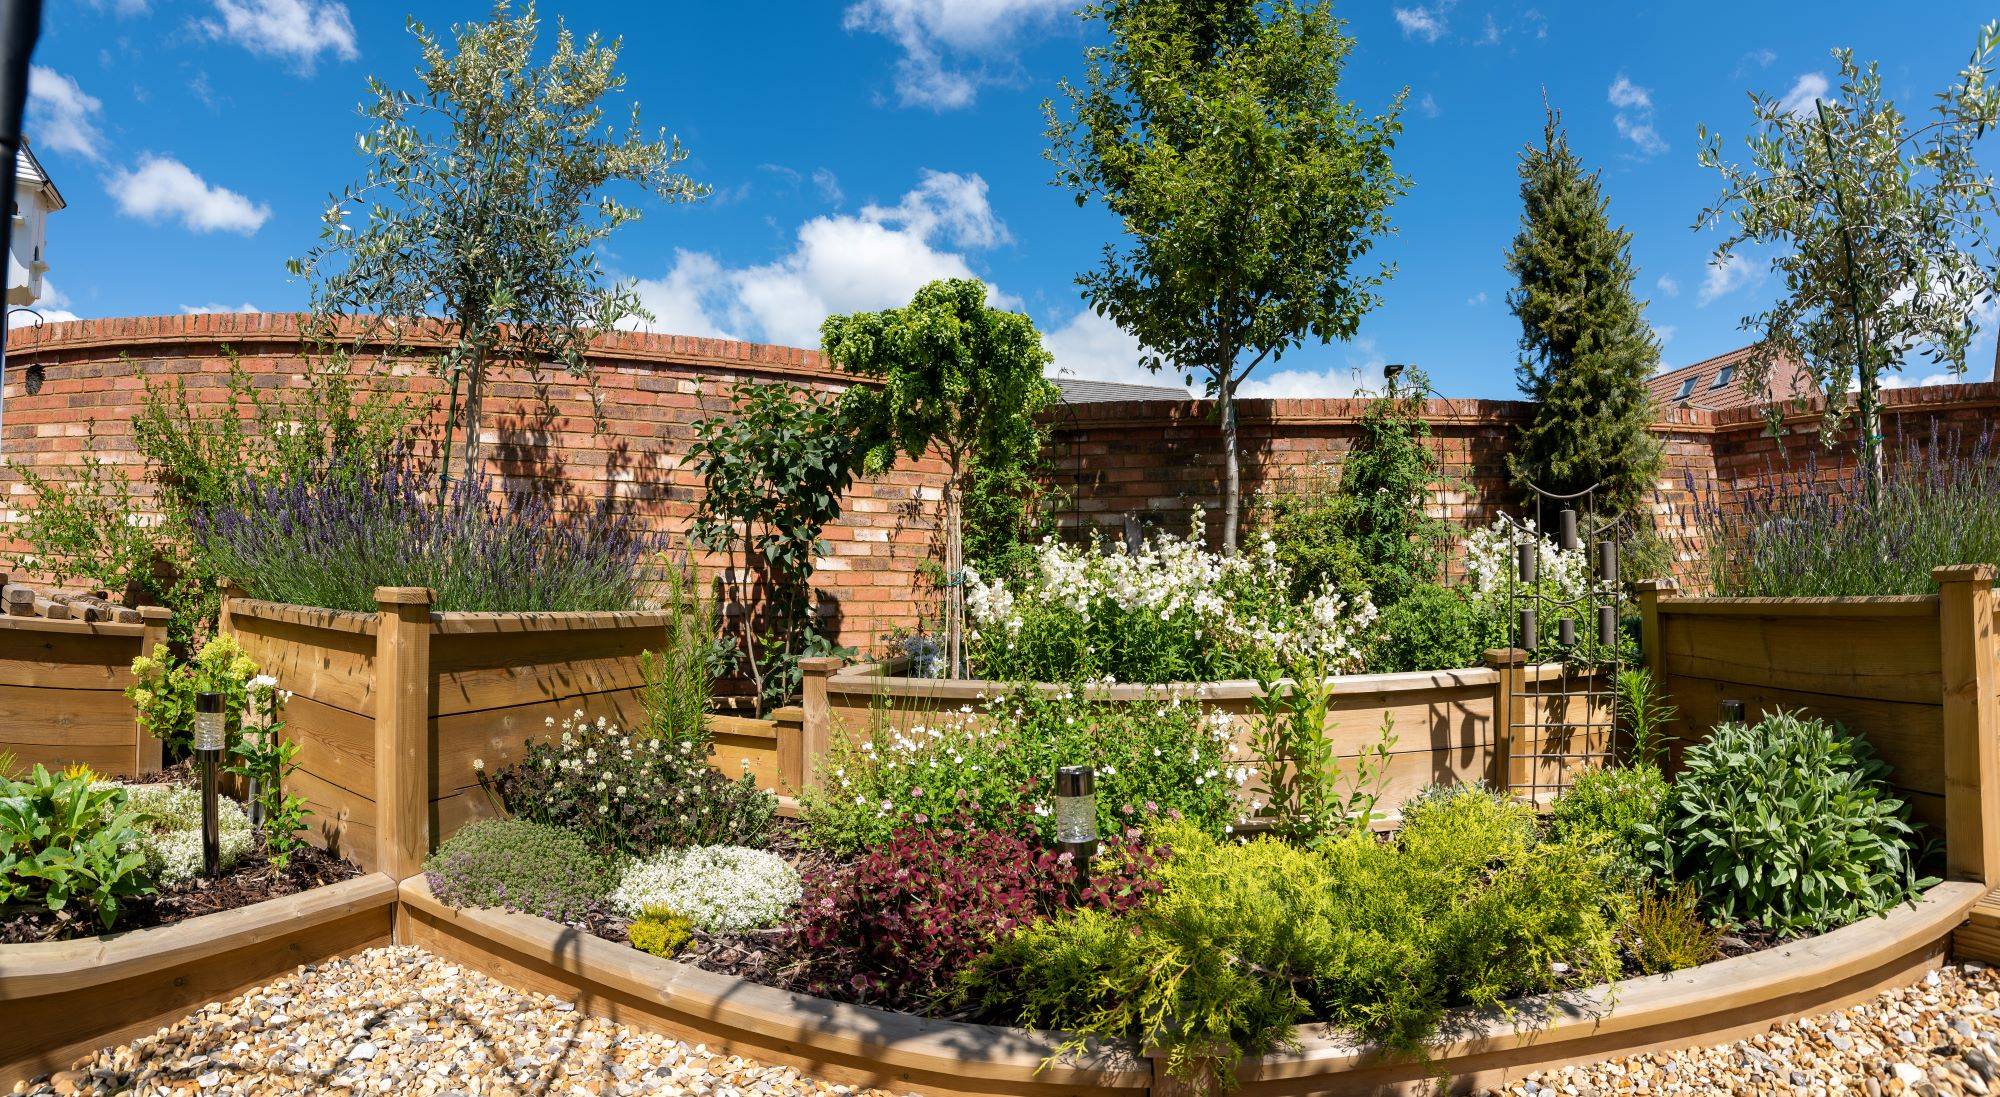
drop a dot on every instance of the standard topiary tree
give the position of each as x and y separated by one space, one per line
949 374
1249 188
1586 349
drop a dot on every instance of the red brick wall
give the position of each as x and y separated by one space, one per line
90 375
1153 460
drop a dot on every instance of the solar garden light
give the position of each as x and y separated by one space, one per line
211 735
1566 632
1732 712
1076 816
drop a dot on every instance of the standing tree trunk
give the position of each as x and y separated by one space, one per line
1231 479
954 566
1869 406
475 392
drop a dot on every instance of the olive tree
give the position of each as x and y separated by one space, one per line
1247 188
944 373
1880 228
484 203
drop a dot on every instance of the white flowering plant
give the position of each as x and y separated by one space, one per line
720 889
992 766
1565 584
1171 611
630 792
169 831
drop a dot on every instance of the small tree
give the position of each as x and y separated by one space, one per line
1249 189
1885 246
1586 349
1386 484
947 373
484 205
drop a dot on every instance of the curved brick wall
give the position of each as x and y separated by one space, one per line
1157 459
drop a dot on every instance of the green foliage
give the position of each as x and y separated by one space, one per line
1880 231
1616 809
1387 480
164 688
1249 190
680 678
263 755
84 524
774 470
1789 824
1434 628
1247 941
659 931
947 374
64 839
1308 524
547 871
1586 349
1007 511
1308 793
1643 715
168 818
486 203
993 768
1667 931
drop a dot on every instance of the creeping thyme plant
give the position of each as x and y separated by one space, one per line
1170 612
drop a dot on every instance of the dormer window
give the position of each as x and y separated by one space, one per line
1723 376
1687 389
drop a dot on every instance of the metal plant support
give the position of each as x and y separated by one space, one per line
1567 722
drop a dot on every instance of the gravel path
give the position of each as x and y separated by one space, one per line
401 1021
1941 1036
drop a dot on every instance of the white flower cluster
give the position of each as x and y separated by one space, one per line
721 889
170 831
1235 601
1563 576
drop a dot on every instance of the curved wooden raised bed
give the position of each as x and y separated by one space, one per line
855 1044
64 998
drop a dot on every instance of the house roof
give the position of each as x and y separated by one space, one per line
1714 384
1078 390
28 172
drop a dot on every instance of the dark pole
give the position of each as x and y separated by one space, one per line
211 735
20 25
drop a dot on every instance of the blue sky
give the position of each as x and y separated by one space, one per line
860 147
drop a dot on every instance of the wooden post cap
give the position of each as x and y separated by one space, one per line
1506 657
403 596
1965 573
155 613
820 664
1657 586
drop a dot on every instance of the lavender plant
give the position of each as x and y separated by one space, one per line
330 541
1803 531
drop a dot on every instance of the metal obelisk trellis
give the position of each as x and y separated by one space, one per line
1565 607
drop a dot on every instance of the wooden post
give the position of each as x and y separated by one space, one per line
231 591
1971 722
1650 593
1508 704
817 734
152 753
789 723
402 730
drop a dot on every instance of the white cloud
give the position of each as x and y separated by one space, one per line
1626 95
1093 347
1726 276
217 306
164 187
829 186
1477 298
1429 106
61 116
121 7
936 36
1427 23
1634 118
1364 372
51 306
1669 285
875 259
1806 92
296 30
18 317
1664 333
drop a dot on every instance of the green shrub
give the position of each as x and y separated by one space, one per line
1618 809
660 931
511 863
1788 825
164 688
993 767
1246 941
66 838
1434 628
1666 931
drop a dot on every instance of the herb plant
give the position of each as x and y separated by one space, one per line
66 838
1307 792
541 870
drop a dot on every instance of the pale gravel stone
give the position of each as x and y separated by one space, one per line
1935 1039
401 1021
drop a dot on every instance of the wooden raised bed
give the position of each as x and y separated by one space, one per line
904 1053
62 688
406 700
63 999
1444 720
